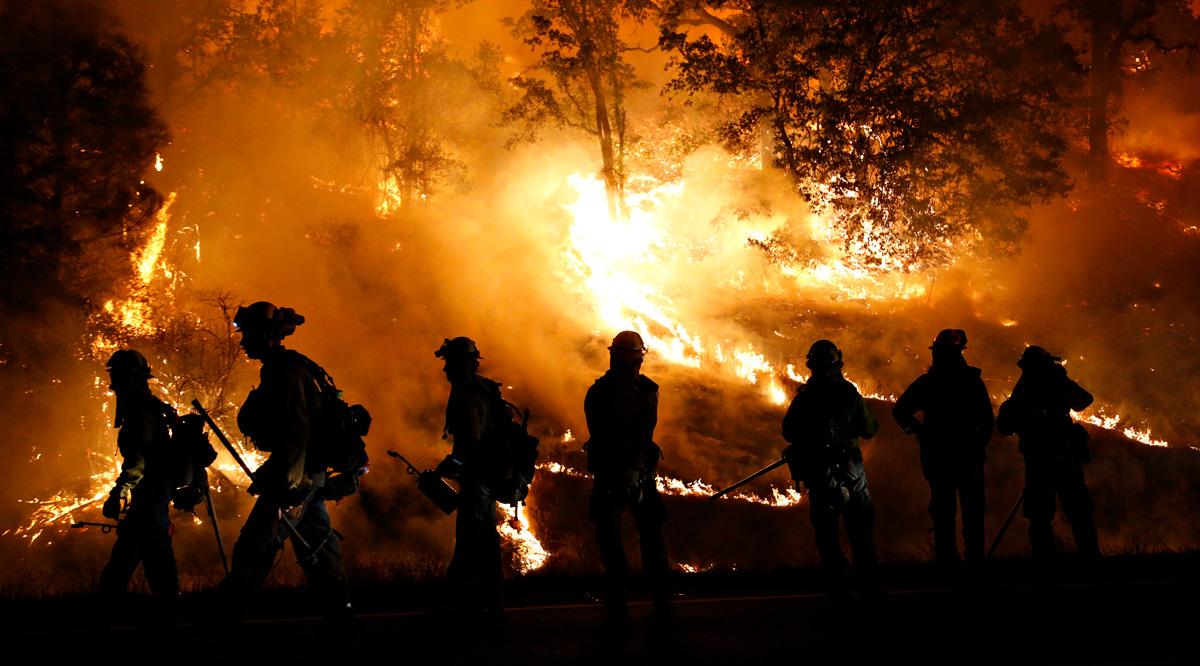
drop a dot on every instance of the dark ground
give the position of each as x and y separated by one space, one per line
1135 610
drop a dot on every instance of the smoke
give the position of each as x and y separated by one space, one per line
281 201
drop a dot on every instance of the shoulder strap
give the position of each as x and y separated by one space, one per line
497 396
323 379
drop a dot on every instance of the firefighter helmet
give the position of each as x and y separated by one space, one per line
264 317
128 363
950 338
458 348
823 354
1035 356
628 341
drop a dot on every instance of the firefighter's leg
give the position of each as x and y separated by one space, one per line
1039 508
860 528
824 507
971 493
491 565
605 507
943 509
475 566
126 555
1079 509
254 553
158 560
649 516
323 567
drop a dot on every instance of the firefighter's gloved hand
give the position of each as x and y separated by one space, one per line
255 488
297 496
112 505
792 455
187 497
450 467
339 486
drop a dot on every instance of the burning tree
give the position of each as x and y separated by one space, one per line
408 93
1121 37
581 77
921 124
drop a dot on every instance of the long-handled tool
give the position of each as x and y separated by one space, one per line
1007 521
287 522
104 527
212 516
725 491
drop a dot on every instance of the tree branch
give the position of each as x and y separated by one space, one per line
702 16
1159 44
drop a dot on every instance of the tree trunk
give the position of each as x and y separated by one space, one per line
1105 59
612 185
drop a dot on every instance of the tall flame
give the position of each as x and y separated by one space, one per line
618 260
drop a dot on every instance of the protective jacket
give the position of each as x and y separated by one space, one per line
1039 411
279 416
144 442
471 411
621 417
957 412
823 425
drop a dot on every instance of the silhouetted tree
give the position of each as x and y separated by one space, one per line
186 42
581 77
1119 34
410 95
78 133
922 123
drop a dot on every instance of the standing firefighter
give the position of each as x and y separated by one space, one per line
953 433
1055 449
622 411
280 416
140 498
471 415
823 425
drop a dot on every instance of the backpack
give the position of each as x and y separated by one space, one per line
189 453
515 451
338 427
